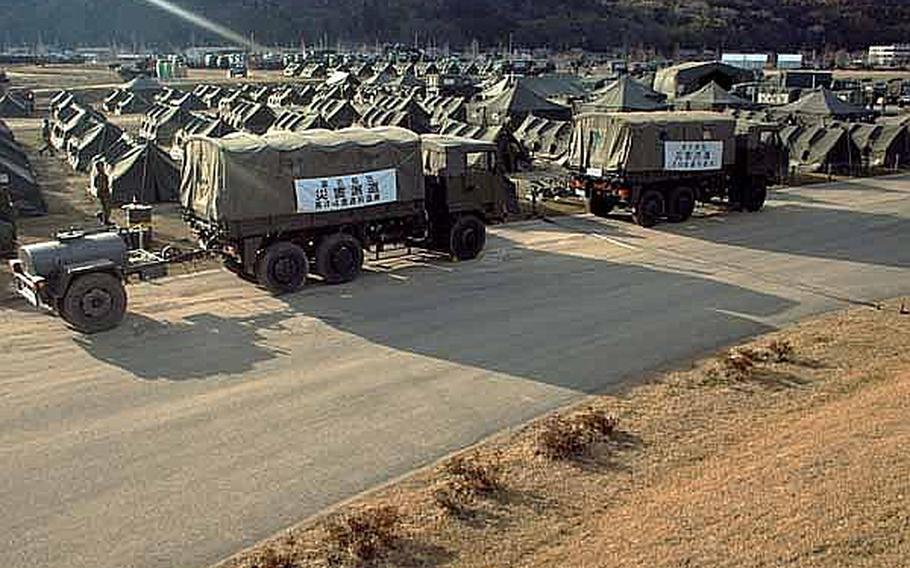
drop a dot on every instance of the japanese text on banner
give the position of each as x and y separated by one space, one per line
320 195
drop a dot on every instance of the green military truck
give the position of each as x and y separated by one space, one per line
660 164
276 205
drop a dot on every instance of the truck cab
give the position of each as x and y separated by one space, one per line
463 176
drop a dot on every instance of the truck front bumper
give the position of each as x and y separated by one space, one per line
32 288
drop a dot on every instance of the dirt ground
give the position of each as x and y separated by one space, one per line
799 461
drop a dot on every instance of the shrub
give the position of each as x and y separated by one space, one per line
367 534
465 478
565 438
782 350
738 364
474 475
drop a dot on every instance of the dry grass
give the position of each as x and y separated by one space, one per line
364 535
767 470
570 437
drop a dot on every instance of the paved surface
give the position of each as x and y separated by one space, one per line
217 415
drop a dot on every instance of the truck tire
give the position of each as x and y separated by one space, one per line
94 302
467 238
682 204
282 268
755 196
598 206
650 207
339 258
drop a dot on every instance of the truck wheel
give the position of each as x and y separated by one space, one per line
649 209
598 206
282 268
755 197
94 302
339 258
467 238
682 204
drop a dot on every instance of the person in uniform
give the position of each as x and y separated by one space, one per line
103 190
46 136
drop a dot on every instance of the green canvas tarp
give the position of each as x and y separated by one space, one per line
104 139
712 97
626 94
635 142
244 176
23 189
11 106
822 104
145 174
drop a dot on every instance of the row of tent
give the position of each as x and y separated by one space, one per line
137 170
847 147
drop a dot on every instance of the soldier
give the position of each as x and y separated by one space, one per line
103 189
46 136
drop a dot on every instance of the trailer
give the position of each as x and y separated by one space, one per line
81 275
660 164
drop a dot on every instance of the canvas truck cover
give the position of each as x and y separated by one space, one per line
242 176
642 142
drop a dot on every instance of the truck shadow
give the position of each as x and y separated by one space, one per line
810 231
571 322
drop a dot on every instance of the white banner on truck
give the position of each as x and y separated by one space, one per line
697 156
320 195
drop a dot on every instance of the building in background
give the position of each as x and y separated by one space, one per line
789 60
750 61
894 55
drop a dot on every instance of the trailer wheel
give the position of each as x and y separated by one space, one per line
649 209
467 238
755 197
598 206
339 258
282 268
94 302
682 204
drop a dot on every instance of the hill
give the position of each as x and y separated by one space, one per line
592 24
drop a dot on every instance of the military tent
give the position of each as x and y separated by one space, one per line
14 106
112 101
163 122
103 139
509 102
133 103
146 174
297 121
711 97
881 145
509 150
23 189
544 138
820 148
822 105
626 95
685 78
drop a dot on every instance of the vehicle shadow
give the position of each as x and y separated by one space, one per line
565 321
575 323
817 232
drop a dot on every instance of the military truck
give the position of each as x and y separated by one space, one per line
660 164
275 205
